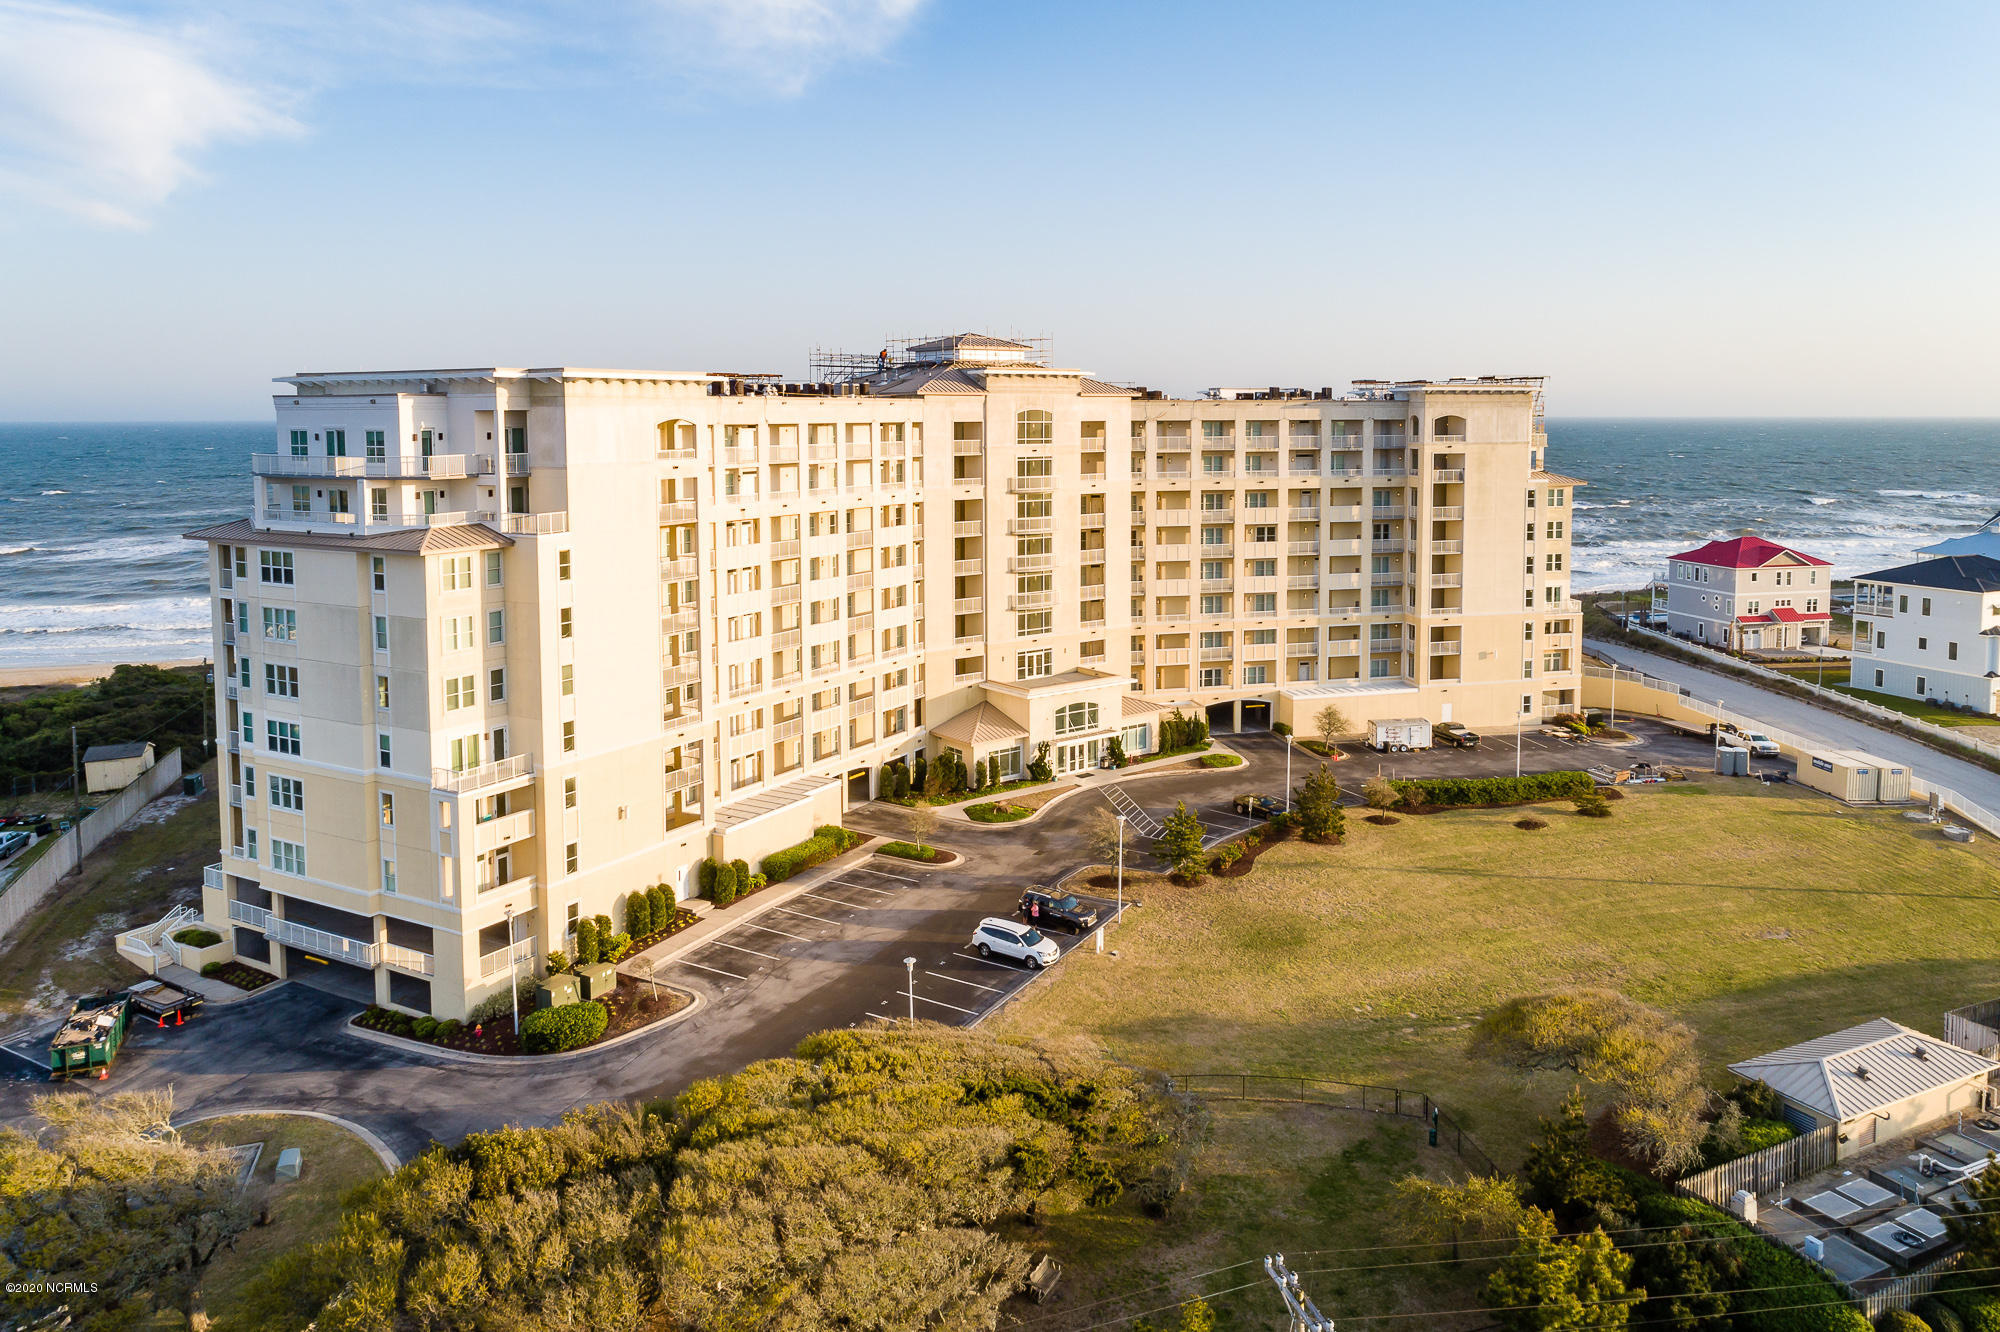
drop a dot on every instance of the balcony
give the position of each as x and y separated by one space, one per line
1303 514
1031 563
1344 513
680 511
968 568
1393 579
1447 580
1170 554
675 569
1031 601
1170 657
967 448
534 524
1448 476
1217 653
439 466
863 537
1862 647
687 777
1384 511
506 958
1344 647
503 831
406 959
1868 610
1168 587
1302 582
1302 548
1031 485
516 767
1387 546
1448 513
1095 555
1441 437
1447 547
1559 641
518 464
1302 649
243 913
784 550
1030 526
1445 647
792 728
1218 585
1090 522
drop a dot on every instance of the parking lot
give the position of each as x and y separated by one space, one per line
864 921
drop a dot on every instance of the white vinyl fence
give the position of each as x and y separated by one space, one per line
32 884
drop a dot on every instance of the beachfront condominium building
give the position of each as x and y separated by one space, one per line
1931 630
499 646
1747 594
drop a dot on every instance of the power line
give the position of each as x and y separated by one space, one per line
1305 1315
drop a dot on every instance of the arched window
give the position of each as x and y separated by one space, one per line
1076 717
1033 428
1448 428
676 437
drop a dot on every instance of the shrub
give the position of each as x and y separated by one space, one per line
1592 806
759 881
1463 791
1041 769
921 774
910 851
194 936
586 941
1531 824
613 948
1381 793
496 1006
1320 816
558 961
1179 845
1978 1310
708 877
996 811
1219 760
993 770
449 1028
1902 1320
1774 1277
212 968
1280 729
828 840
1225 856
743 885
885 783
1116 752
639 915
725 883
1941 1316
424 1028
548 1030
900 777
661 903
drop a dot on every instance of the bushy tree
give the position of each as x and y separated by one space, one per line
1194 1316
1179 845
1115 753
587 947
885 785
1317 803
923 824
638 915
1686 1280
725 883
1561 1173
110 1193
1381 793
662 904
900 777
993 770
1330 723
1553 1282
1483 1208
920 774
744 886
979 774
1041 769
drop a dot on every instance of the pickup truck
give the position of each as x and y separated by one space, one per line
1763 746
1451 733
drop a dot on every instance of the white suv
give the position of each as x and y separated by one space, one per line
1025 943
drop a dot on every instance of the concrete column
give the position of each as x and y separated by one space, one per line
277 962
1236 716
380 926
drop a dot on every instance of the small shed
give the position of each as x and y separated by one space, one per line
115 767
1854 777
1878 1080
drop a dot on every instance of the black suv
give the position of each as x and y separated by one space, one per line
1046 909
1451 733
1259 806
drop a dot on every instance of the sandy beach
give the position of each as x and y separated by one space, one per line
15 677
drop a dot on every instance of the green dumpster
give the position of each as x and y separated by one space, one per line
89 1037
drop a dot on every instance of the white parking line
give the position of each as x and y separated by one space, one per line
866 888
683 962
863 869
969 1012
805 915
751 924
985 961
990 989
753 952
836 901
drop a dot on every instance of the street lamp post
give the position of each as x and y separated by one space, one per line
1517 738
910 965
513 973
1288 774
1121 867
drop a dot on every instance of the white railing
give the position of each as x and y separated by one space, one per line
336 946
680 511
442 465
534 524
501 959
471 779
508 828
407 959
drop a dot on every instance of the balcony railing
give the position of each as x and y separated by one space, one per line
439 466
1030 484
534 524
1448 475
503 831
1299 582
460 781
1447 580
1090 522
243 913
1445 647
1447 547
1029 526
337 947
1302 649
504 958
679 511
687 777
1441 437
407 959
1448 513
1031 601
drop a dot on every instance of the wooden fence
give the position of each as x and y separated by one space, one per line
1341 1096
1903 1291
32 884
1976 1027
1765 1171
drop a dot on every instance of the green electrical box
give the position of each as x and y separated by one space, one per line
599 979
556 991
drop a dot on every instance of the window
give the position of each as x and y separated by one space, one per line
1920 685
302 499
1214 677
562 565
1034 665
1554 562
569 737
336 443
1555 531
1262 603
288 793
1029 623
496 684
1923 644
1214 604
1878 679
281 625
1951 651
459 692
281 737
492 568
249 782
387 802
375 444
300 445
456 572
382 750
250 842
1034 429
570 858
1076 717
274 566
288 857
388 876
1256 675
465 753
566 623
381 633
281 681
378 573
382 692
569 793
378 503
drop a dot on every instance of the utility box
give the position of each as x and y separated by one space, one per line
1854 777
599 979
1732 761
557 990
288 1164
1744 1204
192 784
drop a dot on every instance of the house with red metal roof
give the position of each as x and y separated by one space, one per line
1747 594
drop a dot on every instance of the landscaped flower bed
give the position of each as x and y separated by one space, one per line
634 1004
240 974
997 811
912 851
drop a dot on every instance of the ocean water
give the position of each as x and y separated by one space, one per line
1863 494
93 567
92 564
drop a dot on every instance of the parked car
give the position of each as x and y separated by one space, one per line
1023 943
1451 733
13 843
1259 806
1040 908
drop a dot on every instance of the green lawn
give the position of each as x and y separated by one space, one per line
64 947
1760 917
1831 674
1916 707
303 1211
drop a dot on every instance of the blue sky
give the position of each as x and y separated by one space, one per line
1682 210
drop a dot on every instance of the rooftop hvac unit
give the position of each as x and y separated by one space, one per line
1814 1248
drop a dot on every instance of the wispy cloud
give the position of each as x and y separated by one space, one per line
106 117
782 44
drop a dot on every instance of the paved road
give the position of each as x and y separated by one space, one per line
1783 710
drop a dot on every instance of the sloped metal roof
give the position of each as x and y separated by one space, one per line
979 724
1864 1068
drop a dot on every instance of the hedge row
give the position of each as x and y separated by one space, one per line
1773 1277
828 840
547 1030
1448 791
